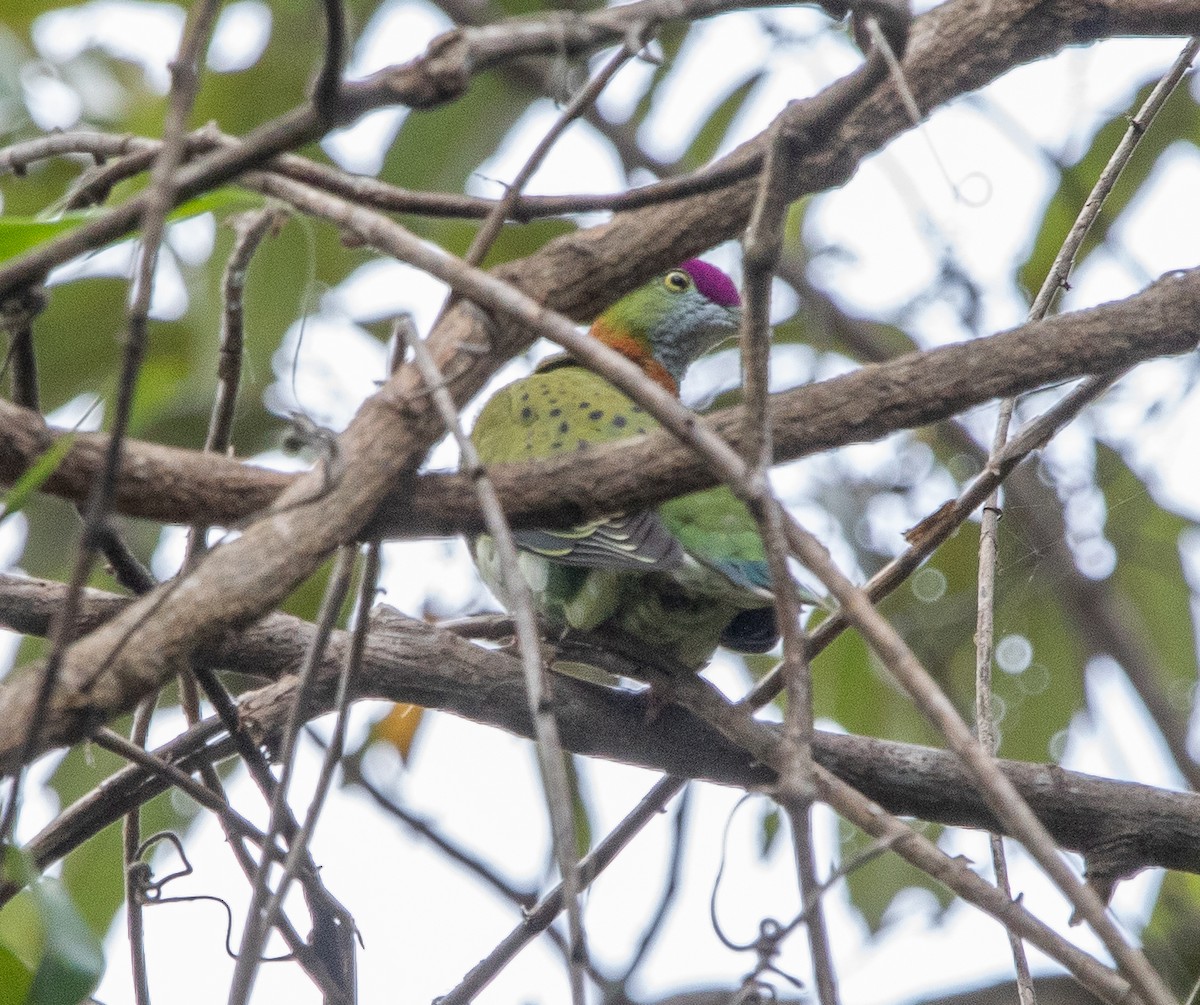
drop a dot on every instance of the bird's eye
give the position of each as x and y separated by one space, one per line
677 281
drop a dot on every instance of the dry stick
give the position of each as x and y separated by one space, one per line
984 716
180 779
250 229
764 743
543 914
523 900
236 826
795 789
1055 280
1140 825
674 870
757 738
956 874
297 856
492 225
254 935
157 202
131 839
551 758
440 75
135 154
554 777
328 83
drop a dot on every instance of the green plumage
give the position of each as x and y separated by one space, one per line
684 578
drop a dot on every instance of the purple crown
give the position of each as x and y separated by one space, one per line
712 282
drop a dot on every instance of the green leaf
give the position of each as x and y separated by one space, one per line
1178 119
878 881
72 960
769 831
716 127
580 813
48 953
15 978
36 476
19 234
1149 575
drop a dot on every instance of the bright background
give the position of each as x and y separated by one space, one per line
966 191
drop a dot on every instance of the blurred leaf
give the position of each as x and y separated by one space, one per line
513 242
48 954
398 728
671 37
35 477
712 133
73 958
15 978
877 882
1172 937
769 831
580 811
1149 571
850 688
1178 119
440 148
19 234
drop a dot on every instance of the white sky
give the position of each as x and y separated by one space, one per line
424 922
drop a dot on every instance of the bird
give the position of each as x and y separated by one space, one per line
683 578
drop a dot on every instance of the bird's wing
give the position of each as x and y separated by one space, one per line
715 528
637 541
561 409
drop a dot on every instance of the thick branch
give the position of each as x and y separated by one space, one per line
1120 826
182 486
954 49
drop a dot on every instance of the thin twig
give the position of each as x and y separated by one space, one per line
551 759
544 913
674 869
1055 280
494 222
257 924
1002 798
298 854
795 789
763 742
158 199
131 837
326 90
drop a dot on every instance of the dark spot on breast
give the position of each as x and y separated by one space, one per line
641 429
619 421
585 404
583 445
564 427
596 415
524 395
526 413
556 445
637 408
555 413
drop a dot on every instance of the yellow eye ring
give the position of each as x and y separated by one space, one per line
677 281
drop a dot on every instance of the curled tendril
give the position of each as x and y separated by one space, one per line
148 890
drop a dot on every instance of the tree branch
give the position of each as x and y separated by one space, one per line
1120 826
173 485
